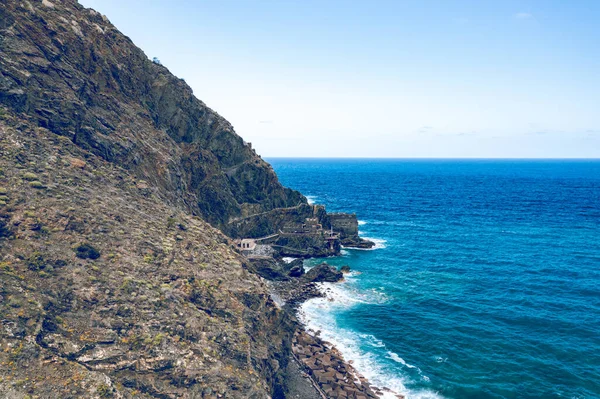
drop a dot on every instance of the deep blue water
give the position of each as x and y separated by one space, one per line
487 285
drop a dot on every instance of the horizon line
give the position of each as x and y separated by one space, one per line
445 158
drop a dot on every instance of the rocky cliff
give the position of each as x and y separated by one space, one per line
72 72
112 283
107 291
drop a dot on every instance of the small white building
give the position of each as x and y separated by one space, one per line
246 245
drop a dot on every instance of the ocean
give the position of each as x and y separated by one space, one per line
485 281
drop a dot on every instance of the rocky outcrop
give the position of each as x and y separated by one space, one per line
347 225
268 268
73 73
296 268
276 270
323 273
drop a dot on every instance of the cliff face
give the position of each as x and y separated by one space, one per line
106 291
110 283
72 72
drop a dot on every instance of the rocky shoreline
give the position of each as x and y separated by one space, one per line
121 195
316 366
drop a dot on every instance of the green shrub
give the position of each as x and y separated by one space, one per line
104 391
30 176
36 261
36 184
171 221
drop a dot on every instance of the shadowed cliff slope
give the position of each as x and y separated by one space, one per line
75 74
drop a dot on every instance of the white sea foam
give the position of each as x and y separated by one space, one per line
362 222
372 340
379 244
311 199
289 259
395 357
318 314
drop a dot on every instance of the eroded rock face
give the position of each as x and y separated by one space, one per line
72 72
162 307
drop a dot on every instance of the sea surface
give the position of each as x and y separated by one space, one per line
485 282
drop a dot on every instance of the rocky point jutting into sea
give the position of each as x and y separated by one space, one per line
141 239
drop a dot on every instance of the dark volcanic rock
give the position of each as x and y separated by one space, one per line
296 271
323 273
276 270
86 251
269 269
357 242
295 268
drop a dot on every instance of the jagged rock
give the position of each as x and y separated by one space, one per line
269 269
323 273
296 271
295 268
357 242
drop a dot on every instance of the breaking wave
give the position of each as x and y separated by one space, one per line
365 351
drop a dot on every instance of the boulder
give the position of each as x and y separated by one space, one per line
295 268
324 273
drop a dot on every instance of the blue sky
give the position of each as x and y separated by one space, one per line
385 78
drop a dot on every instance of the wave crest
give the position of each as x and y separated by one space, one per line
319 314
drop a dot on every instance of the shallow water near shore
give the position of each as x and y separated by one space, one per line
486 278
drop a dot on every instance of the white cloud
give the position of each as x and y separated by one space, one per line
523 15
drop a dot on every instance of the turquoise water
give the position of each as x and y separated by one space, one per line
486 280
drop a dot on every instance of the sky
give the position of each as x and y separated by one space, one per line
419 78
